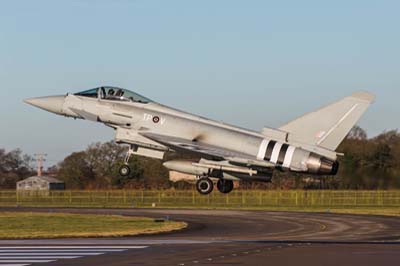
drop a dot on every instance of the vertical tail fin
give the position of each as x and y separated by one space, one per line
328 126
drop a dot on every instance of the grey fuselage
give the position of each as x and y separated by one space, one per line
131 118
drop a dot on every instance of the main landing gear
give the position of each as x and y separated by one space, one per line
225 186
205 185
125 170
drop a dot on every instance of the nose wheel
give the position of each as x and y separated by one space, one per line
204 185
124 170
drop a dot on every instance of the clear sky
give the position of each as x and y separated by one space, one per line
250 63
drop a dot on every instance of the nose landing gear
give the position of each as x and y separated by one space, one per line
125 170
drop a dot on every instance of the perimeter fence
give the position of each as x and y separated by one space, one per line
191 199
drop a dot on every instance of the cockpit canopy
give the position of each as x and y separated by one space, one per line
114 94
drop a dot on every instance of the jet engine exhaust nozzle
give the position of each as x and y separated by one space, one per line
321 165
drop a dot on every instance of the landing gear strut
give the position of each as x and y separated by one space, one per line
125 170
225 186
204 185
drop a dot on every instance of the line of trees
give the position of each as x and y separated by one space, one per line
97 168
368 164
14 166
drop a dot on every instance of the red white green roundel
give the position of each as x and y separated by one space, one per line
156 119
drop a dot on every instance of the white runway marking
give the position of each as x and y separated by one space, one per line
64 250
54 254
14 264
28 255
75 247
41 258
26 261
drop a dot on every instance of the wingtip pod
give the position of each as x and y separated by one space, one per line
365 96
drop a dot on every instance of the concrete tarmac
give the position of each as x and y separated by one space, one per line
217 237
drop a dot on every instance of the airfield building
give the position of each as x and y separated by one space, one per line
43 183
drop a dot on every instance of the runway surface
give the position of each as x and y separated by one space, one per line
225 238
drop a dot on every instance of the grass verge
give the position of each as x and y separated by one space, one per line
17 225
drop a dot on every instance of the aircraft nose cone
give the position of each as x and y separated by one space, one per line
52 104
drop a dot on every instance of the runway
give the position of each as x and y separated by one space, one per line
227 238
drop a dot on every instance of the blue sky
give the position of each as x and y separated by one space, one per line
250 63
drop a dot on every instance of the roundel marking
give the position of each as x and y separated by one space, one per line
156 119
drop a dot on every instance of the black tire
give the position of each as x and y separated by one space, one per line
204 186
225 186
124 170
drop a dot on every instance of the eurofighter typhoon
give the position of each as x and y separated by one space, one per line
225 153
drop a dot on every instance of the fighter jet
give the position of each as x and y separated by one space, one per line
225 153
